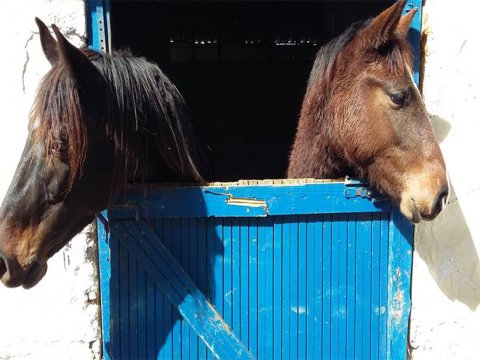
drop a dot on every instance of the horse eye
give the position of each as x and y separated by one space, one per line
401 98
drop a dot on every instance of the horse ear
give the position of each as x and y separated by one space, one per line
80 67
382 28
49 44
404 24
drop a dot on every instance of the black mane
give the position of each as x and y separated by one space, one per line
144 102
141 110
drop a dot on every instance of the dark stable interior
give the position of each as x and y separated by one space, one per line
242 68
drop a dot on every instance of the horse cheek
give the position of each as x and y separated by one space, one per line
56 183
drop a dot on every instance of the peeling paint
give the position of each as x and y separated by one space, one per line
298 309
380 310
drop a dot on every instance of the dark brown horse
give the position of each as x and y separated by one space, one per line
98 121
363 116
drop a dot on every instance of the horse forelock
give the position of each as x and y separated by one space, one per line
399 57
57 116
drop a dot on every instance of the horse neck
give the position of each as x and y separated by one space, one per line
313 153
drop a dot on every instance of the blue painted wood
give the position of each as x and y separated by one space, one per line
217 279
227 273
202 270
185 263
342 242
310 287
383 283
326 286
168 322
176 317
253 286
414 35
160 307
261 290
302 288
354 232
293 284
277 287
375 281
335 294
367 286
192 227
160 321
131 299
327 283
236 289
124 313
141 242
351 288
268 290
107 301
285 299
359 269
98 24
399 280
239 201
243 275
150 320
318 288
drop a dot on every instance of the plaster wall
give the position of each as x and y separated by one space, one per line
59 318
445 321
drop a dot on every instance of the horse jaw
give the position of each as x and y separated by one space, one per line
25 251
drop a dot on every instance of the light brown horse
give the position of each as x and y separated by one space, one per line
362 115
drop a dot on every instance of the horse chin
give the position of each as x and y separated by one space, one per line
416 211
409 209
27 279
35 274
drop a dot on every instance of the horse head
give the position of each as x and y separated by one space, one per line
363 115
87 135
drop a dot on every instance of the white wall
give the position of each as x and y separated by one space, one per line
58 319
446 276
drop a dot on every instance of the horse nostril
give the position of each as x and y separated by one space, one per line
3 267
441 200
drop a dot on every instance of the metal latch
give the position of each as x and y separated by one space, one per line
358 192
359 188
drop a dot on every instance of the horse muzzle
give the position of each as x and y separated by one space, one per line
418 208
12 274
